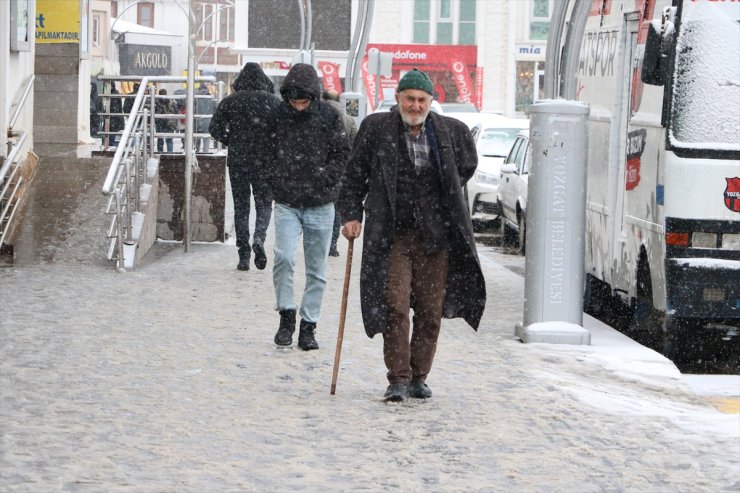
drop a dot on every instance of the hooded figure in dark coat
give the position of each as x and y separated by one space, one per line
307 153
404 178
240 123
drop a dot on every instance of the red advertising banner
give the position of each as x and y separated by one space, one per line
331 78
452 68
479 88
463 81
370 84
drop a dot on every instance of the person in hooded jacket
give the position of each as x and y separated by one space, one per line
306 157
240 123
405 179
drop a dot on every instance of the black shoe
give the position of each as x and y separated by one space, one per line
260 259
419 390
243 265
243 259
333 252
306 339
396 392
284 335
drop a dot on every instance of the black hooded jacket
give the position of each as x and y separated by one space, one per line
240 121
307 149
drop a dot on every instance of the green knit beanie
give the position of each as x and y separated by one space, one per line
416 79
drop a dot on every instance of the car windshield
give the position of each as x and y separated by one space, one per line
706 103
497 142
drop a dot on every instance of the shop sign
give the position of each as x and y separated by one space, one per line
452 68
145 59
57 21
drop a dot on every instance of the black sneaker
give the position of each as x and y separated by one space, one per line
306 338
284 334
396 392
419 390
260 259
333 252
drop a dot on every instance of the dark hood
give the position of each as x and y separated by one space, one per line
303 79
252 78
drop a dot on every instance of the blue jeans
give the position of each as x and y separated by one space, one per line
315 224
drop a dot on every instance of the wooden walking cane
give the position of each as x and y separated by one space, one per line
342 316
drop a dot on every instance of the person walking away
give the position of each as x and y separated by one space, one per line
406 175
240 123
307 154
165 106
204 105
94 110
331 97
116 122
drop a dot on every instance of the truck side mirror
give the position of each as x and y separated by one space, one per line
657 50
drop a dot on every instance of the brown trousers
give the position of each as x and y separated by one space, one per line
413 275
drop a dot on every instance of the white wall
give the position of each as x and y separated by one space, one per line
15 69
393 20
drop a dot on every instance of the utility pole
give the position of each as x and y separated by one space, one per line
189 108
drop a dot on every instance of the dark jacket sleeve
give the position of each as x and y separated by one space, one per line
219 126
355 179
338 150
466 155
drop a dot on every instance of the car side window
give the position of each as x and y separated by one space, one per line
512 153
527 160
519 158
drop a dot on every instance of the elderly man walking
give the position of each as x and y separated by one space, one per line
405 175
308 148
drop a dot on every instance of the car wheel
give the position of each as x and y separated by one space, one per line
522 233
505 231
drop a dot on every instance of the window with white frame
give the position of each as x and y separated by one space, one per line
444 22
539 24
96 29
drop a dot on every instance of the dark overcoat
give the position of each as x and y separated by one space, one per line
369 188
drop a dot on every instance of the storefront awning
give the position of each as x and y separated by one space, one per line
128 32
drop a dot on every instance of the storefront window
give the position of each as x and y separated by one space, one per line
524 85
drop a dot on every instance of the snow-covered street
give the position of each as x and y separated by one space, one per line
167 379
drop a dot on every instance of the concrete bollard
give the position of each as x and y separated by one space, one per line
556 220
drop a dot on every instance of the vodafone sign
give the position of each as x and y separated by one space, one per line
453 69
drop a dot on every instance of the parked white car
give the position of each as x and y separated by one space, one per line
512 193
494 136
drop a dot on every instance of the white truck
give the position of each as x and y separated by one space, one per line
662 80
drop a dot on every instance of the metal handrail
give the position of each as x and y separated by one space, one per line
9 172
128 167
22 101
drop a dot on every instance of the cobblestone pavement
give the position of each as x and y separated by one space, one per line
166 379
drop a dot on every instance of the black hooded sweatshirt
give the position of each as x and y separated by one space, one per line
308 149
240 121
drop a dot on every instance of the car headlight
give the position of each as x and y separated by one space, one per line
485 179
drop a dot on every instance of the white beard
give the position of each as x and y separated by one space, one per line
413 120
